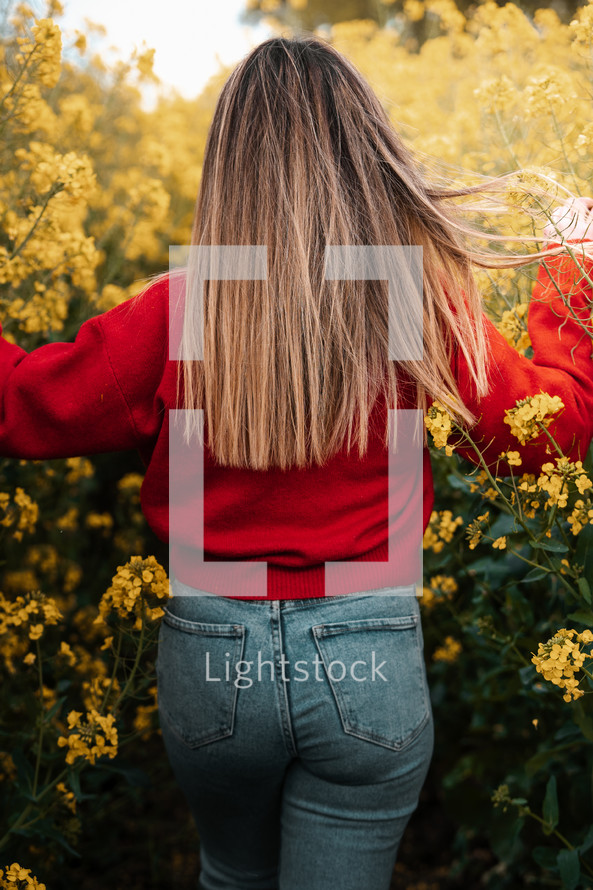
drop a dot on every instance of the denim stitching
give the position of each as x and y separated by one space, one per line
283 704
320 631
235 633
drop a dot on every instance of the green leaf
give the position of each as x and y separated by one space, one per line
541 758
569 868
528 674
133 774
582 617
584 722
54 709
586 842
24 769
74 781
584 588
503 834
551 546
460 484
534 575
44 829
550 807
545 857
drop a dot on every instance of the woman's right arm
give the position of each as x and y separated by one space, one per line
562 365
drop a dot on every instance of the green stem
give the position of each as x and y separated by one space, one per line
507 142
19 822
113 673
508 508
559 135
136 664
42 721
18 77
560 837
56 187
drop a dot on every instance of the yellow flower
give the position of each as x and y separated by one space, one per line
74 718
66 651
413 10
35 631
439 423
581 516
439 588
582 26
440 530
67 797
530 415
14 873
513 328
513 458
560 657
449 651
474 530
495 93
96 736
22 514
500 543
524 189
139 583
144 64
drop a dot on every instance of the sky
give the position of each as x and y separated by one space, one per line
189 39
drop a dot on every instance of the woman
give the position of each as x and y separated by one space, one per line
299 724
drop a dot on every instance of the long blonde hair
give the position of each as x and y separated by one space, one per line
300 154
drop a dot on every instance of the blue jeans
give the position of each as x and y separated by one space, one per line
300 733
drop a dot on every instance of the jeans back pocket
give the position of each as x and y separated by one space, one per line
196 695
376 671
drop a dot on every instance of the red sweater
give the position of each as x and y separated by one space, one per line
112 388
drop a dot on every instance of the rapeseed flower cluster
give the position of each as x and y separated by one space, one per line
15 877
526 187
475 531
501 797
100 691
513 328
145 714
581 516
67 797
529 415
90 738
555 481
137 584
31 612
449 651
43 53
440 587
440 530
439 423
21 515
481 483
582 26
561 657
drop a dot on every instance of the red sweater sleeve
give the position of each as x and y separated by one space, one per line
95 394
62 399
562 365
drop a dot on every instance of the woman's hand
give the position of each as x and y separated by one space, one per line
573 221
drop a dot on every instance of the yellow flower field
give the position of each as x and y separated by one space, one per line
93 190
